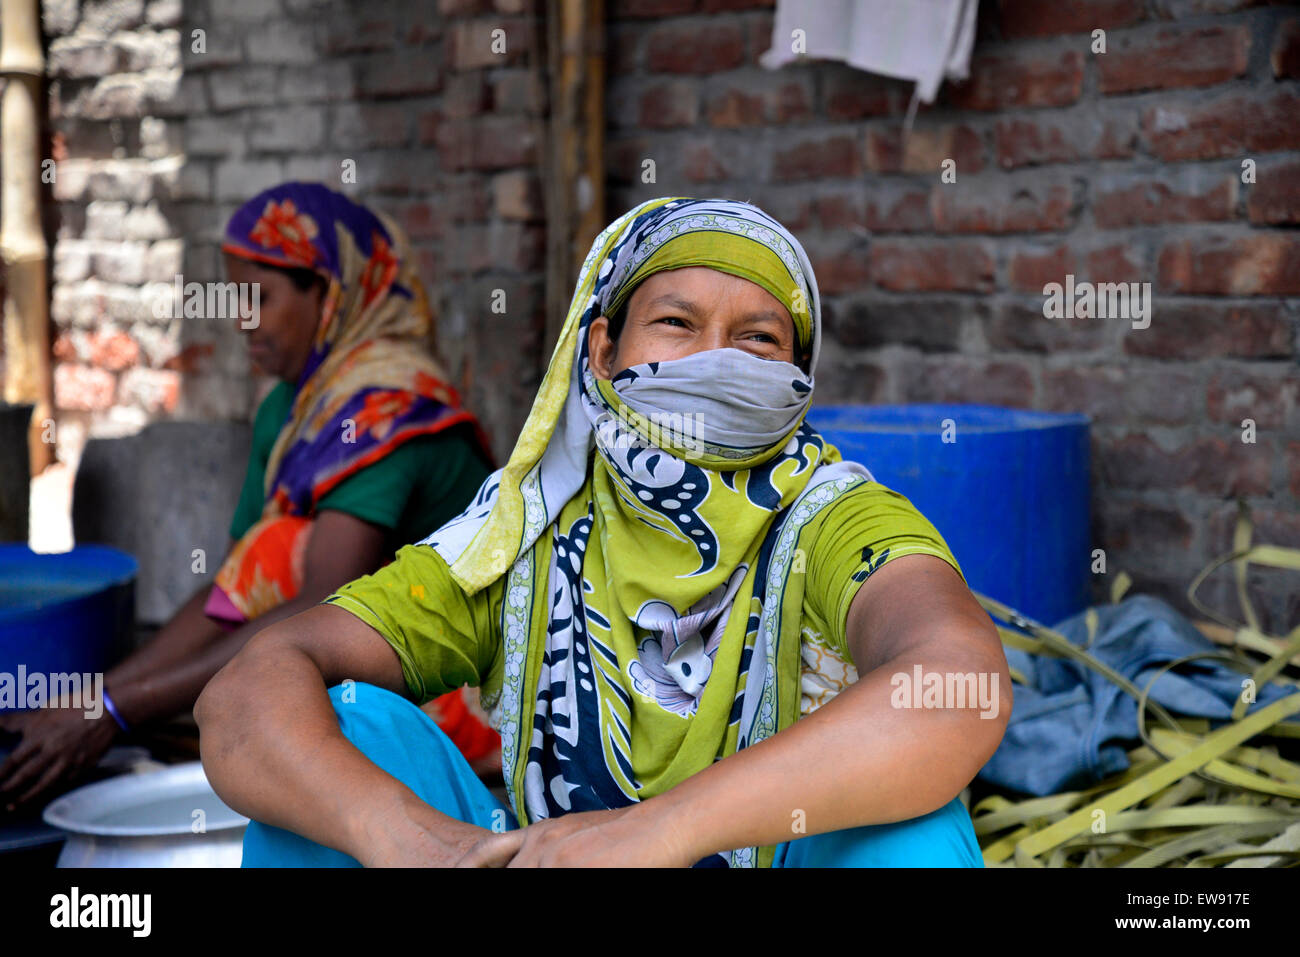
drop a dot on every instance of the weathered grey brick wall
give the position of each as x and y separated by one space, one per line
168 115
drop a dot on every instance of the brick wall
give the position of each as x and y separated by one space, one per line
160 132
1112 167
1123 166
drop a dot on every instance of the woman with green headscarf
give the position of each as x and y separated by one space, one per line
693 624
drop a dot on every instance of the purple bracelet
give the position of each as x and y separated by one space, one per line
112 709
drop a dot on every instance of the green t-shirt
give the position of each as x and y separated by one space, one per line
446 639
415 489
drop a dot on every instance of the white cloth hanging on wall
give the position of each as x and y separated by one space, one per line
924 41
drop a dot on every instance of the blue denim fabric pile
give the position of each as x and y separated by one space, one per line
1070 727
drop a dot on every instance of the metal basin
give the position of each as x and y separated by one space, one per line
167 818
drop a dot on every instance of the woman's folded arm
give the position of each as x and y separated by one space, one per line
272 748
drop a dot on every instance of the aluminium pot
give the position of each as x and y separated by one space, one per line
165 818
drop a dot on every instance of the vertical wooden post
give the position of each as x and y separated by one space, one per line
22 240
575 175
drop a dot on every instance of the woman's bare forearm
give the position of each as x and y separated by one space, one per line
184 633
173 682
857 760
272 748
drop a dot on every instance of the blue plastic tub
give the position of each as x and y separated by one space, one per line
1009 494
66 612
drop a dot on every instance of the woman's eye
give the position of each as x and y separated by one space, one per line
673 320
764 337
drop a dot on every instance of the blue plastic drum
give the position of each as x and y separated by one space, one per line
1007 488
66 612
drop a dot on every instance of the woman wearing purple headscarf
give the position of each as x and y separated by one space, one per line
361 447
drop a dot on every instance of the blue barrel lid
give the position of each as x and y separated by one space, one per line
31 580
927 417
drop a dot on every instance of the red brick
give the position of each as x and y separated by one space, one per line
1140 525
695 48
850 94
471 43
1118 138
1201 330
1230 467
962 379
759 33
668 104
399 73
1264 264
848 378
929 323
625 158
1208 464
790 102
1146 202
1030 271
1062 138
1275 195
825 157
753 102
112 350
620 9
790 207
1171 57
1025 142
427 126
885 207
1021 327
1285 56
1293 468
840 211
518 195
348 34
467 201
998 82
924 149
488 142
900 209
518 92
1271 526
418 218
937 266
1040 208
844 271
1033 18
735 107
1227 126
83 388
193 359
1121 394
1117 262
64 348
466 94
157 391
700 164
1266 396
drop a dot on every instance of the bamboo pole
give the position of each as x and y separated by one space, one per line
22 240
575 174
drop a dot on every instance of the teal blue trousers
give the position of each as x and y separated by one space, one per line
404 741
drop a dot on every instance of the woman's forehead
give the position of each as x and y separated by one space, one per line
701 287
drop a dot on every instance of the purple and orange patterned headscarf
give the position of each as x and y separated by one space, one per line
371 381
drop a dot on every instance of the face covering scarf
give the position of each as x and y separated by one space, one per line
648 529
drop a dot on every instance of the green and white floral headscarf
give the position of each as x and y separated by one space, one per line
648 529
